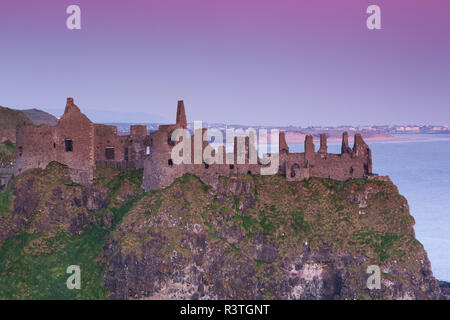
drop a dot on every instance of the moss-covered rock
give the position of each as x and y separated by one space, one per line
48 223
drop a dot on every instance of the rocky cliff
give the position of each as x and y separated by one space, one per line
254 237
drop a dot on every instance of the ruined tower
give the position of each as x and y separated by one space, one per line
323 144
181 115
159 167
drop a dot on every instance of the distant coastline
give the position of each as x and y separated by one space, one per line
296 137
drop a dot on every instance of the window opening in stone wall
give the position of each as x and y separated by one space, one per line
109 153
293 168
69 145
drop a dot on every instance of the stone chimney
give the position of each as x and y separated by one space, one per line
282 143
181 115
323 143
70 106
345 148
309 148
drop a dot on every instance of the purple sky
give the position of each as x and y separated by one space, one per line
280 62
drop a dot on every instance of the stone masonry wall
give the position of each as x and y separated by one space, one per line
160 171
39 145
90 145
100 145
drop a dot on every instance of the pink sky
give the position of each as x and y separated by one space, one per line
248 61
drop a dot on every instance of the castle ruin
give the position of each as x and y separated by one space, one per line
82 145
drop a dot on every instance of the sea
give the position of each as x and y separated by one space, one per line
420 167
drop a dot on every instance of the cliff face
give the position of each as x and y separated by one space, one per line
254 237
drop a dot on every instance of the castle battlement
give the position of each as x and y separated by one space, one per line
82 145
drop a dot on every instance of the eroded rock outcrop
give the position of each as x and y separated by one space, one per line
261 238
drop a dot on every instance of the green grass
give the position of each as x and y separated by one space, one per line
43 275
33 266
6 202
299 224
7 146
115 182
382 244
247 222
7 154
39 271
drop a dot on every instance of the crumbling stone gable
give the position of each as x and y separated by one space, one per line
80 144
70 142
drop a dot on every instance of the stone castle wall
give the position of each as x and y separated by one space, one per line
114 151
82 145
160 171
39 145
